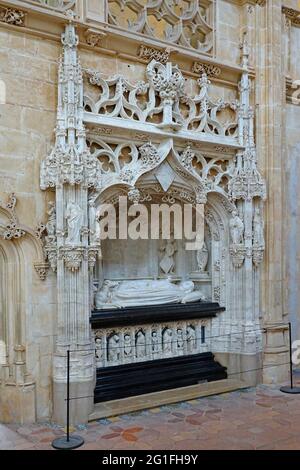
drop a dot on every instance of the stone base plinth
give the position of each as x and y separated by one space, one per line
244 367
17 403
81 403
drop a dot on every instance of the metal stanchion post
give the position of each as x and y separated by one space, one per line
68 442
291 388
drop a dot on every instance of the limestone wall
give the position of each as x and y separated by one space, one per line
28 67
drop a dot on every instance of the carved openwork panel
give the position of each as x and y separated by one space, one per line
188 23
60 5
162 100
145 342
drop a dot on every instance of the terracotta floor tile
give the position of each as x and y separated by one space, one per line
261 418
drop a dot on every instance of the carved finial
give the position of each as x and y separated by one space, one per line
244 46
70 14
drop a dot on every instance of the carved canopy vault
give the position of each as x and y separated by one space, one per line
116 136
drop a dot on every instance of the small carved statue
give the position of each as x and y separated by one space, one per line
113 348
99 349
51 224
202 258
127 345
236 226
167 341
74 216
180 340
140 344
94 222
190 338
258 229
155 342
167 263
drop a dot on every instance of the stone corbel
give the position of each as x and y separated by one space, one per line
94 37
41 268
257 255
238 253
72 256
51 253
93 253
292 15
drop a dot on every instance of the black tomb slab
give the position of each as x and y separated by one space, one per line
127 380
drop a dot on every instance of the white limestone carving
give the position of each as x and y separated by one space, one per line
118 294
130 344
162 101
236 228
74 217
188 27
94 225
99 350
140 344
258 229
167 262
12 16
13 229
42 269
127 345
155 346
216 176
180 341
150 53
202 258
167 338
114 348
70 161
59 5
191 338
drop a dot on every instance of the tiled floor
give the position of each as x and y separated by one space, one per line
256 418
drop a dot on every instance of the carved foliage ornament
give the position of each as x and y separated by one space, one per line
70 165
210 69
13 229
12 16
150 53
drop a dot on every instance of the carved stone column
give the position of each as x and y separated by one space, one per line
71 170
270 95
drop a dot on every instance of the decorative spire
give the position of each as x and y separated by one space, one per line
70 160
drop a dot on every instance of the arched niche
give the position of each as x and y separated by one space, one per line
139 259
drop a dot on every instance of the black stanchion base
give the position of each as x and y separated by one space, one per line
287 389
62 443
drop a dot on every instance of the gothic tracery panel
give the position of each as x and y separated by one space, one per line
188 23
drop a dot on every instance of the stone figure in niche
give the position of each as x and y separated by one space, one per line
140 344
154 342
114 348
167 263
127 345
74 216
99 348
236 226
167 341
258 229
202 258
51 224
191 338
180 340
119 294
94 222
